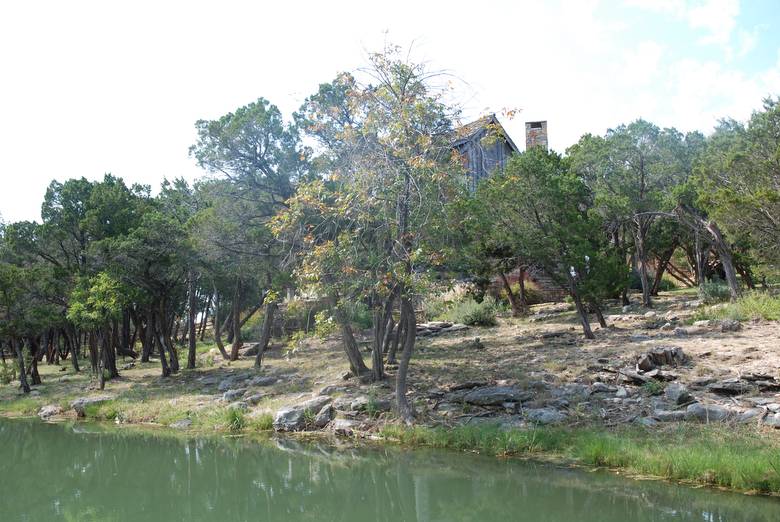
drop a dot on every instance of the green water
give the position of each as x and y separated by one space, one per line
84 472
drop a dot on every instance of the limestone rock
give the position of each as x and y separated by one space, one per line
364 403
730 387
81 403
293 418
49 410
261 380
750 415
669 416
707 412
238 405
772 420
324 416
232 395
182 424
730 325
344 427
496 395
254 398
545 416
678 394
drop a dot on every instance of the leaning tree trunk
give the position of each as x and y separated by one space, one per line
356 364
663 262
158 332
191 335
517 310
218 329
581 311
405 410
93 351
35 377
265 336
20 359
726 259
399 333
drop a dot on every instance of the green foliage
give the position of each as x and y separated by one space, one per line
324 325
753 305
714 291
235 419
8 372
472 313
532 293
264 422
653 387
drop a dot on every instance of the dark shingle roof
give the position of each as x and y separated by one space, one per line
465 132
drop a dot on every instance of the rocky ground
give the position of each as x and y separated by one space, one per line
648 367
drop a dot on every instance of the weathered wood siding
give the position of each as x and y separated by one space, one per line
482 160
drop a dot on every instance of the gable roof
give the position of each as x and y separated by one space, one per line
466 132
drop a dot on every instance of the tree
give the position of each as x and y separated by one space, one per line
545 212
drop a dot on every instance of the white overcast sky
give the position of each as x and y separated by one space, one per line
94 87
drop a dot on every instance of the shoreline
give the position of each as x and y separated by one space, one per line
623 451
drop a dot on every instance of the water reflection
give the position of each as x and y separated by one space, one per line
69 472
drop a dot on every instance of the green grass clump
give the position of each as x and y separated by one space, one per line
753 305
473 313
235 420
264 422
723 456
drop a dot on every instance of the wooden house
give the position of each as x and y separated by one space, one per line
484 146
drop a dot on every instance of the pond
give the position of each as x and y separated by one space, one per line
83 472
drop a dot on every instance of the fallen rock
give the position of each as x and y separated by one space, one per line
293 418
600 387
324 416
262 380
182 424
254 398
238 405
81 403
669 416
545 416
677 394
50 410
707 412
496 395
232 395
773 420
127 366
364 403
730 325
344 427
647 422
730 387
702 324
750 415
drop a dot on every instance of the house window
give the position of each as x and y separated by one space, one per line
536 125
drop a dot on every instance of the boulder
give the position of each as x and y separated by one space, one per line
730 325
647 422
49 410
678 394
344 427
231 395
364 403
82 403
750 415
182 424
324 416
702 324
496 395
669 416
600 387
254 398
249 349
707 412
773 420
545 415
331 389
730 387
293 418
261 380
228 382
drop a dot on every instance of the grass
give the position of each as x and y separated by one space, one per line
722 456
753 305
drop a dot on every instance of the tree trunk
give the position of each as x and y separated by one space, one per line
205 318
641 257
148 337
165 340
405 410
662 264
73 340
581 311
599 314
93 351
35 377
726 259
103 340
517 310
236 323
391 354
158 331
356 364
191 335
265 337
218 329
20 360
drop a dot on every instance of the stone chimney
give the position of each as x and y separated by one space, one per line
535 134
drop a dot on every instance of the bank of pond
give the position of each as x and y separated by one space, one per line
84 471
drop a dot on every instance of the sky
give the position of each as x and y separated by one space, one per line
88 88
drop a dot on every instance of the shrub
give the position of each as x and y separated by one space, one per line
532 293
324 324
8 372
753 305
235 419
714 291
473 313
